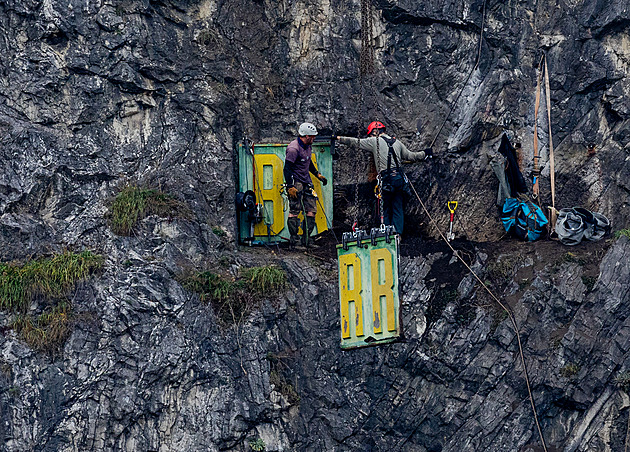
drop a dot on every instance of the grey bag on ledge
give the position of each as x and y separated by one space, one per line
577 223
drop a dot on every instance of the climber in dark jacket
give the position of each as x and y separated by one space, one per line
297 168
394 182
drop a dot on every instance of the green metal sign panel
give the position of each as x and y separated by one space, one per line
261 171
368 290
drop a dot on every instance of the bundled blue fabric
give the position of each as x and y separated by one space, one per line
523 218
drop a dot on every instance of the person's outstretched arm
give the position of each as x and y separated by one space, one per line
365 144
406 154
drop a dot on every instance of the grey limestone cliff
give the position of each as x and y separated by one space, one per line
99 94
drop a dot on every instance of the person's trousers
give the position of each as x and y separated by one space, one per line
394 209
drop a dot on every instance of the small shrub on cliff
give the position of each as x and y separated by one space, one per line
133 204
226 296
589 282
438 303
571 258
234 298
498 316
210 286
279 376
46 332
284 387
570 370
50 277
258 445
625 232
465 313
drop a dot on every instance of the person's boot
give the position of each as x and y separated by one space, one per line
294 224
307 230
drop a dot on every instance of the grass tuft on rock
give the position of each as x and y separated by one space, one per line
133 204
624 232
501 271
589 282
267 279
570 370
219 231
258 445
51 277
234 298
622 381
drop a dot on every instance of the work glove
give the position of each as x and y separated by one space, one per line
322 178
428 153
292 191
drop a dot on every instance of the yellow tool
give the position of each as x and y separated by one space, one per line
452 205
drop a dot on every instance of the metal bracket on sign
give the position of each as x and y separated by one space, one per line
348 237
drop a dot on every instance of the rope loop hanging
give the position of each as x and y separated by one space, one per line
543 80
475 67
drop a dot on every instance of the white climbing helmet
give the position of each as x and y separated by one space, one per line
306 128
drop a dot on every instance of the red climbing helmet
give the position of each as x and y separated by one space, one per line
375 125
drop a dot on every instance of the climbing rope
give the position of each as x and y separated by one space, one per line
328 224
367 68
456 254
503 306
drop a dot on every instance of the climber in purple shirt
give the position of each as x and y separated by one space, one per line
297 166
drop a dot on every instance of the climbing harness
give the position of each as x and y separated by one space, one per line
391 154
452 205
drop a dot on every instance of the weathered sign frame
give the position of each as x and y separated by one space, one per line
368 289
261 170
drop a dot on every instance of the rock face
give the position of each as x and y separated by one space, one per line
97 94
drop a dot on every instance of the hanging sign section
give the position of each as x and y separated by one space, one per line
368 288
262 204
